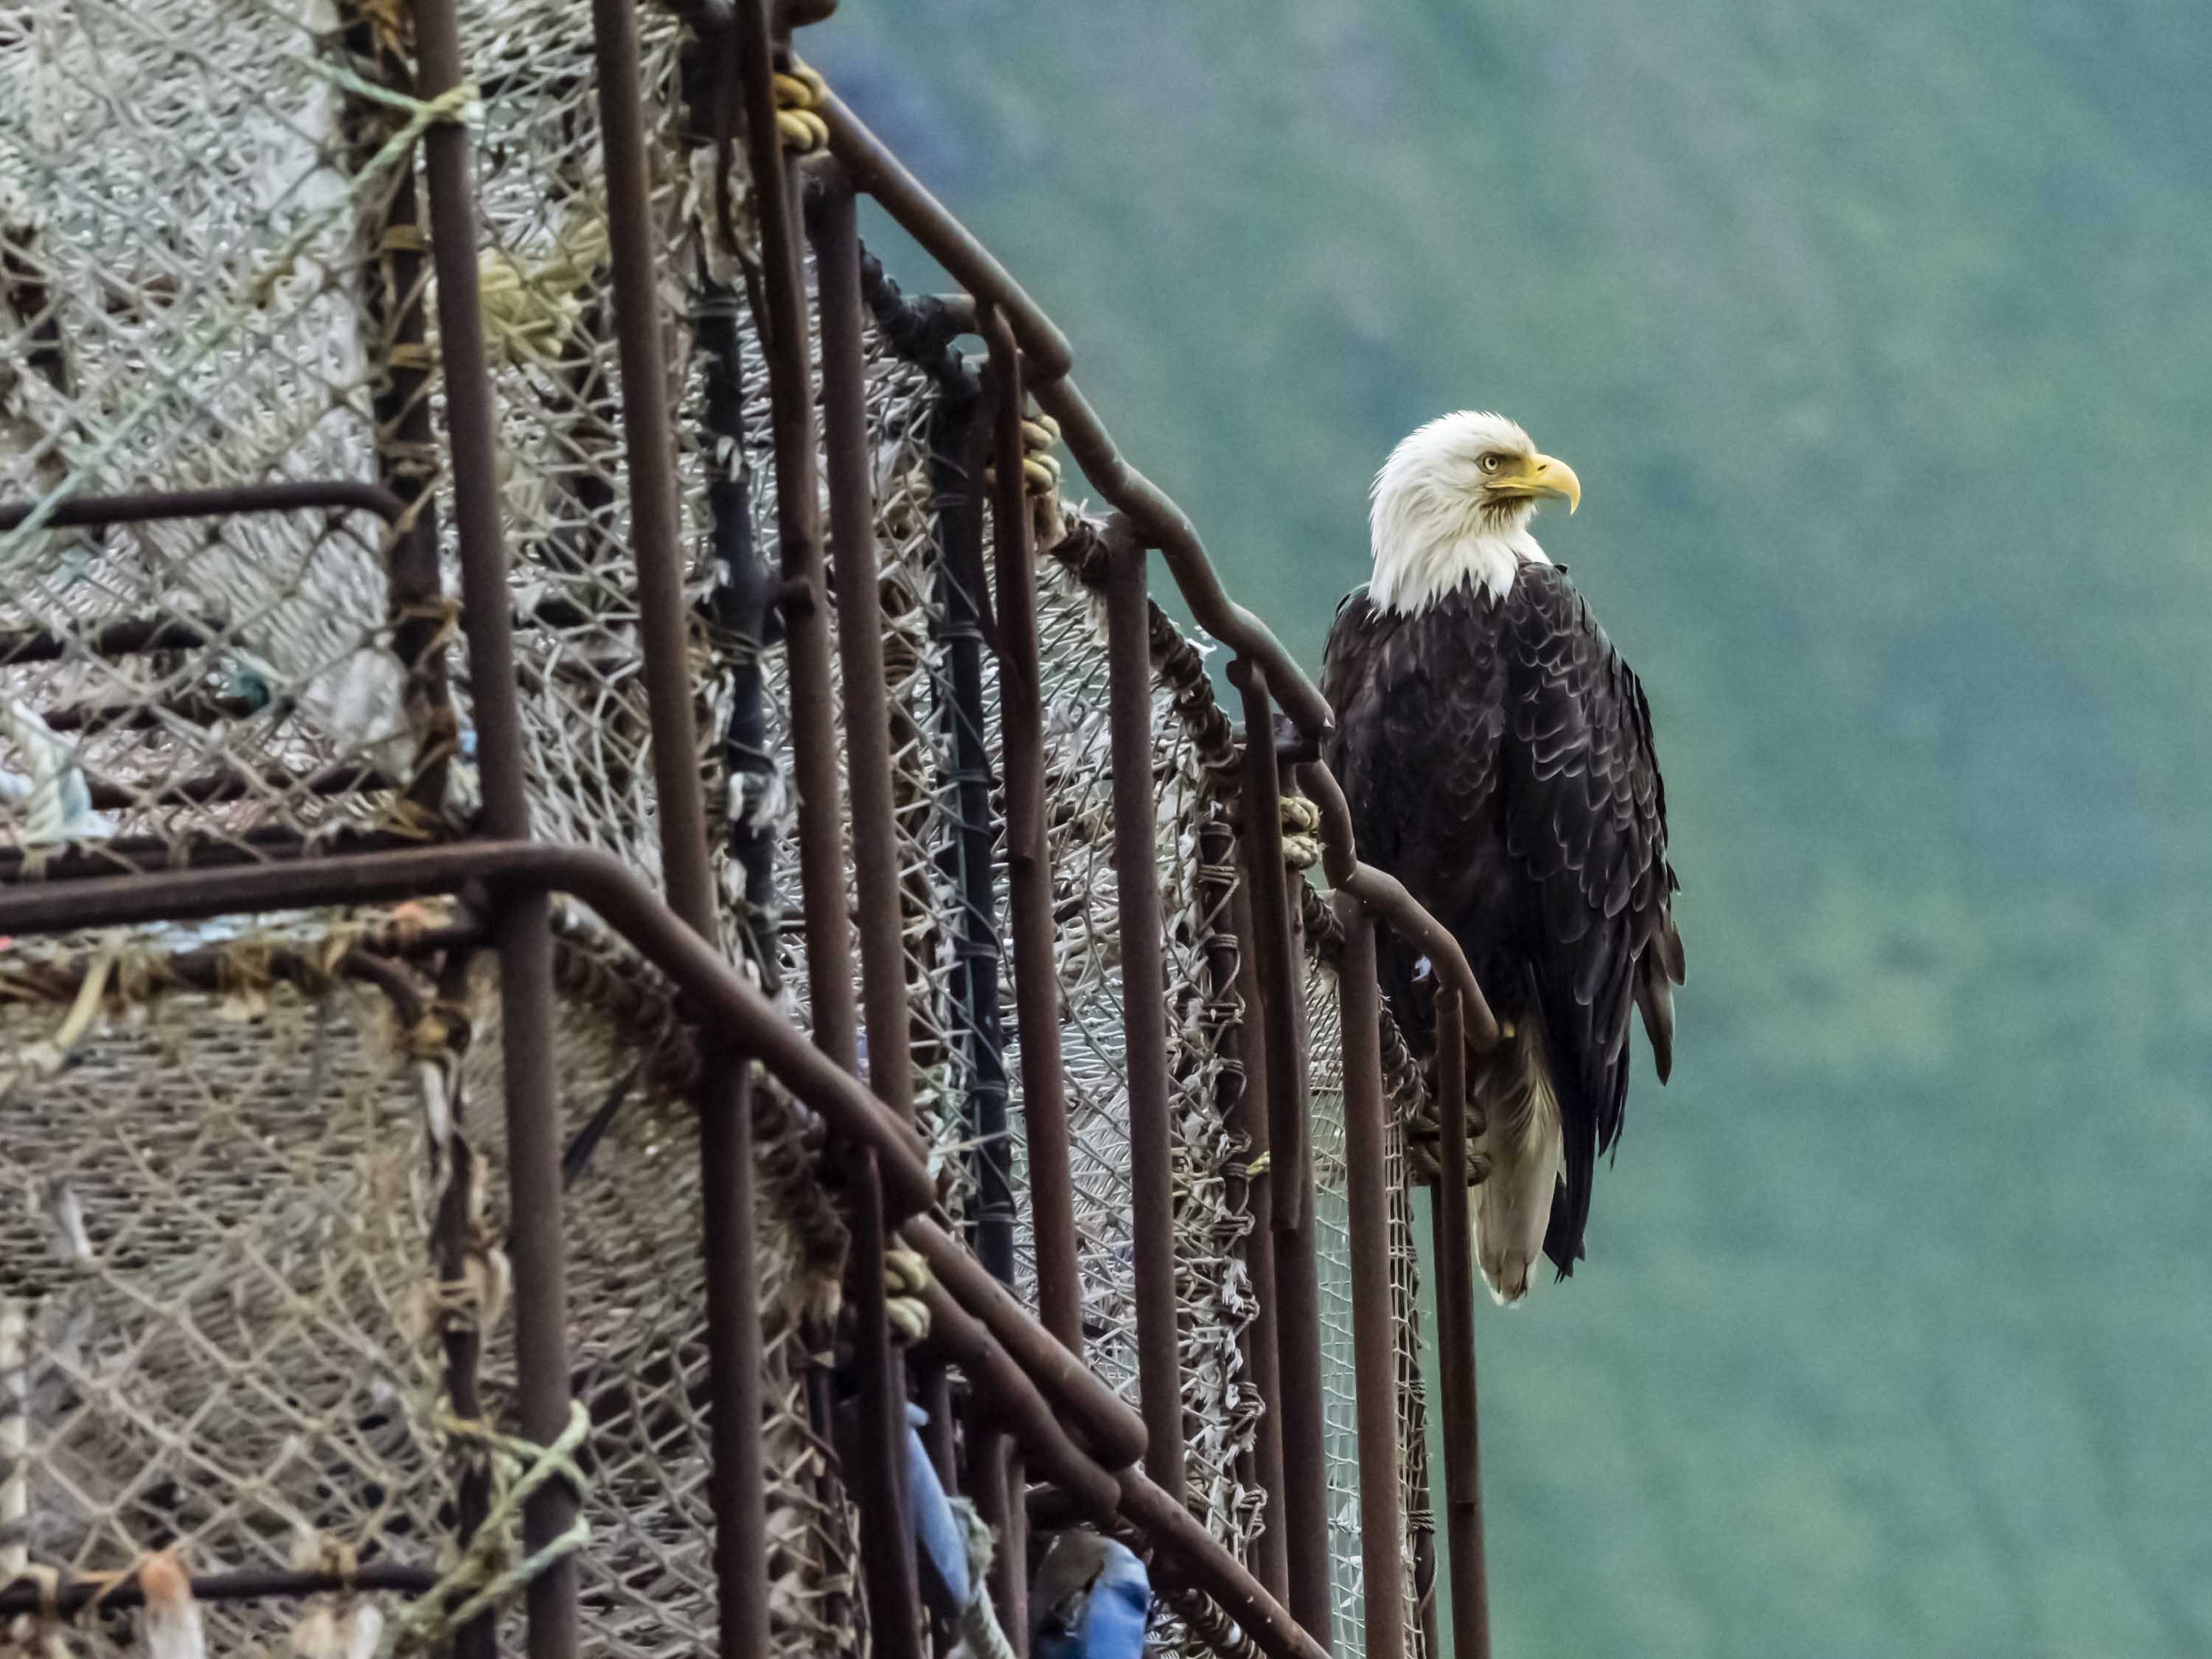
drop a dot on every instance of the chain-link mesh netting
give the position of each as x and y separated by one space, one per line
252 1256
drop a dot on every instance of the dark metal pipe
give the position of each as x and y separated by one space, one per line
1249 1119
1385 897
1028 861
649 452
1195 1555
72 1597
241 781
1304 1508
523 928
143 506
733 1346
1452 1229
1262 841
1374 1348
956 468
799 531
725 1095
887 1562
868 723
884 176
1160 521
1014 1403
1144 1007
1115 1433
505 868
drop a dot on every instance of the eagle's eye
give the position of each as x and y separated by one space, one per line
1491 462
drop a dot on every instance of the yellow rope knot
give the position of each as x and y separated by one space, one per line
1301 844
799 110
906 1276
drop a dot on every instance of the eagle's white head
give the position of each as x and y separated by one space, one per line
1452 506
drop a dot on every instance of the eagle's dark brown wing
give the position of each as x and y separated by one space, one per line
1585 817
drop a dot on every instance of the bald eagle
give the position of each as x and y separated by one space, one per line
1497 755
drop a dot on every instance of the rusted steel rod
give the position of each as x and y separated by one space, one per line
72 1596
1115 1433
1144 1007
1262 843
1386 897
883 176
1015 1404
887 1562
1160 522
508 868
1193 1555
239 782
650 459
1374 1356
784 335
737 1483
523 925
1452 1228
143 506
1249 1119
1303 1511
867 720
1029 862
1185 1547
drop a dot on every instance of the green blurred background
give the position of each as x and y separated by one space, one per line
1881 337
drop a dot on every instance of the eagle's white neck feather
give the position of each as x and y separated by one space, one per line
1431 530
1414 569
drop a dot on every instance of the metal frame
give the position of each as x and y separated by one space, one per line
1033 1402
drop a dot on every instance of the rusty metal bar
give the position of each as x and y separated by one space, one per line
887 1560
1115 1433
883 176
1385 897
1304 1508
1249 1119
1144 1006
1160 522
733 1353
507 868
650 457
868 723
1186 1547
1195 1556
523 926
1262 842
143 506
1374 1354
240 782
1028 864
737 1482
1452 1229
1016 1403
799 531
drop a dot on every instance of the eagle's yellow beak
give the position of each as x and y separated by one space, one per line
1541 475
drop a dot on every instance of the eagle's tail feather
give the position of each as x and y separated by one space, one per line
1522 1143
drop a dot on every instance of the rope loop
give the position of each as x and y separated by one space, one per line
799 110
487 1572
